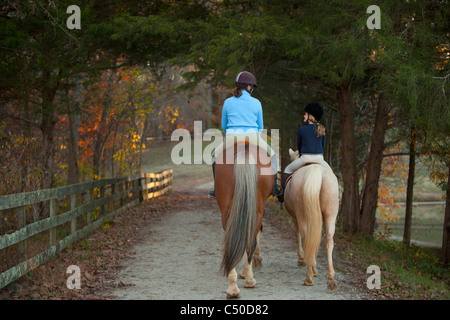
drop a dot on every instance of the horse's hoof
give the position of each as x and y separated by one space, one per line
240 276
308 282
233 294
301 263
250 284
257 263
332 286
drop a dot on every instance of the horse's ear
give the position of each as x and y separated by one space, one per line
291 151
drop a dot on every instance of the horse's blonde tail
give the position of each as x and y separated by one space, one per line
240 234
312 211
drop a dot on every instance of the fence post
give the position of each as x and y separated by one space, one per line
142 184
121 184
52 232
21 222
102 195
90 198
73 205
113 191
170 176
146 188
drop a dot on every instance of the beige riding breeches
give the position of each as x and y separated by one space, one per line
304 159
253 138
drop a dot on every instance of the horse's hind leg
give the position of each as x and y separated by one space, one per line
314 268
247 271
233 290
309 276
311 270
257 260
300 252
330 228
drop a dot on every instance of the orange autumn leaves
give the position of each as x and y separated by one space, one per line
112 122
392 184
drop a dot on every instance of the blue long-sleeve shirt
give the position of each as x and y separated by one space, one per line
307 140
242 115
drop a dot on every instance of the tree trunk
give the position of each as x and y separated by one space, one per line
409 189
102 133
73 172
327 151
350 197
47 127
74 124
99 143
142 142
446 235
370 194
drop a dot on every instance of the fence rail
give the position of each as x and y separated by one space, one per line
93 198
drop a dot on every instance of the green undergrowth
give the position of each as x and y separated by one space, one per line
406 273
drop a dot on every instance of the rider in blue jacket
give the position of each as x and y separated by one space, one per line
242 115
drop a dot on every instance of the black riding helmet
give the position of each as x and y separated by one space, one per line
315 110
245 78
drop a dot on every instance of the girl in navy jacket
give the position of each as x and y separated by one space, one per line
310 143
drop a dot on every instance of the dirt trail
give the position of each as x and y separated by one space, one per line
181 255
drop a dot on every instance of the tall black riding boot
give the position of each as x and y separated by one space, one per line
212 193
276 190
284 178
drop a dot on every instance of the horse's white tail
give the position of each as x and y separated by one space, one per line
240 234
313 213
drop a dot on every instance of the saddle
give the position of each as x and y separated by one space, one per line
290 176
260 151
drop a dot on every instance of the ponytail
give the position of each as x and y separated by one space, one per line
237 92
320 127
320 130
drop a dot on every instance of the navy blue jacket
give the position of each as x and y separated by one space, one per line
307 140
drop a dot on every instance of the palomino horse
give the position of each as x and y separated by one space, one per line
241 192
312 197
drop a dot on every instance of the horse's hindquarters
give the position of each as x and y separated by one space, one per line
241 194
312 203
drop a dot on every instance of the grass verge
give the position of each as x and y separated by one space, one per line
414 273
406 274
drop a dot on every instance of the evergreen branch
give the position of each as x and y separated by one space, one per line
57 23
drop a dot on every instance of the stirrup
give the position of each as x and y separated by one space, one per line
276 192
280 197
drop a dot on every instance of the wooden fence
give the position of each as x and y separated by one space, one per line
89 205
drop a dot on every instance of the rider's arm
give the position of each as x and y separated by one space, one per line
224 117
259 120
299 142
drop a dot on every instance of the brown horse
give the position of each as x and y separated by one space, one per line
242 189
312 198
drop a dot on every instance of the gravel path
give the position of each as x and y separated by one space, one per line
181 255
